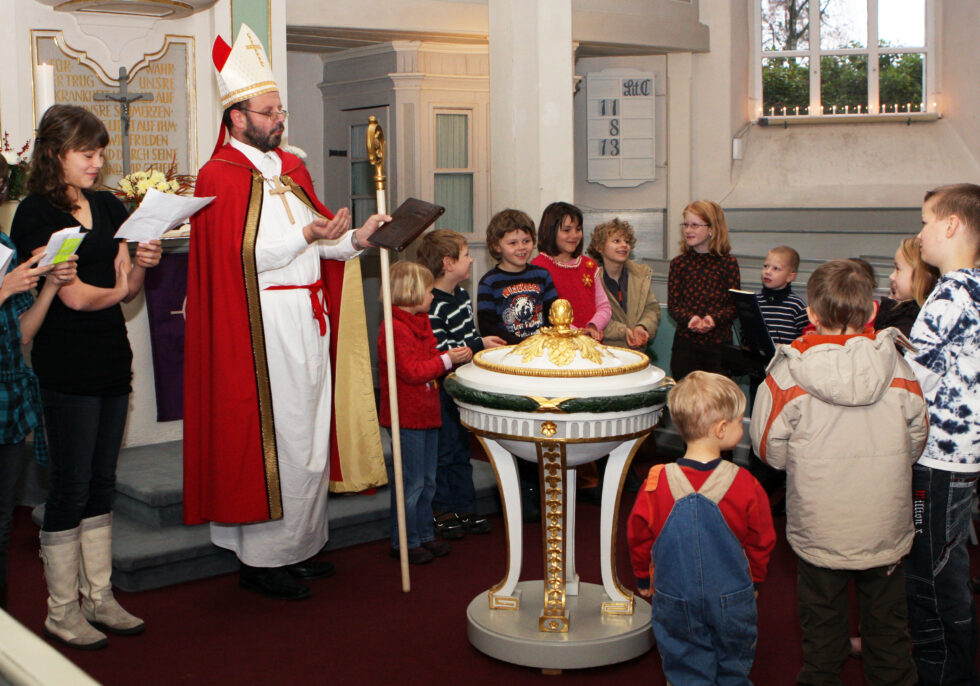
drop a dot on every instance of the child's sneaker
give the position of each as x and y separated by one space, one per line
437 548
474 524
448 526
416 556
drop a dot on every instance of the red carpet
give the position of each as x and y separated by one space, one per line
359 628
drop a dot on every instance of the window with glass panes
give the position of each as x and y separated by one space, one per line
363 200
453 171
843 57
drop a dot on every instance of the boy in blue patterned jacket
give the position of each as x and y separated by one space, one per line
946 336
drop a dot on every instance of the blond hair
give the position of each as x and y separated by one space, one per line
788 254
700 400
605 231
924 276
840 293
711 214
437 245
410 281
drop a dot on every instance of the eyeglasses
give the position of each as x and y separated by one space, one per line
271 115
692 225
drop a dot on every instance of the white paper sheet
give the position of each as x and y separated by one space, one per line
5 255
62 245
157 214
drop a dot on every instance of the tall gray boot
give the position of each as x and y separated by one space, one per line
60 552
94 580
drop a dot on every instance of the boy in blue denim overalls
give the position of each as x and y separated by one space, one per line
702 531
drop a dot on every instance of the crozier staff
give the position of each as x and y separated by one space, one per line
83 361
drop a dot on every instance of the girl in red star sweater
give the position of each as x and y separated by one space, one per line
418 365
577 278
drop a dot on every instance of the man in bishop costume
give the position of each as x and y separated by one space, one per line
274 306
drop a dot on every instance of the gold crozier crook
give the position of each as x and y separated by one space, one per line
376 151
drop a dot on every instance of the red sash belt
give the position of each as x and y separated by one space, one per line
318 298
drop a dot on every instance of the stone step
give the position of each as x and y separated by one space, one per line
149 555
149 484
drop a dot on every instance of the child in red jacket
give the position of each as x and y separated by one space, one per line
700 537
417 366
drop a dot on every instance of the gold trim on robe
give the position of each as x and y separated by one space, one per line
267 425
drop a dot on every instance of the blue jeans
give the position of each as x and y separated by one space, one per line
419 458
454 477
942 614
703 607
84 436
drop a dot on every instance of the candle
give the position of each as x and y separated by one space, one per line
43 88
784 111
796 109
834 110
908 107
772 111
847 109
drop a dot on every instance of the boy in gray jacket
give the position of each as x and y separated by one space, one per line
842 413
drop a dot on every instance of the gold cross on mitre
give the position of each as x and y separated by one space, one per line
257 49
280 189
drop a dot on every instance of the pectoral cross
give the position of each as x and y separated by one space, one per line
124 98
257 49
280 189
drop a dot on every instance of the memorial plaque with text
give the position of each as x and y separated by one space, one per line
160 130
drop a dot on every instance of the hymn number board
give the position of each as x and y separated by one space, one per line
621 150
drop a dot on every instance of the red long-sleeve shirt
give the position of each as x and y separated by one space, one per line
745 508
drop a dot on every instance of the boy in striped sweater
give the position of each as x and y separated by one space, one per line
783 311
447 256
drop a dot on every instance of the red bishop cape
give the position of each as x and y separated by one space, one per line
231 471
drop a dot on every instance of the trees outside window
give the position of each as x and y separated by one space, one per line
836 57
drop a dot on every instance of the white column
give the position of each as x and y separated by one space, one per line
531 118
680 143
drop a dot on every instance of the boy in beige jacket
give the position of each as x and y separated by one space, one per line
842 413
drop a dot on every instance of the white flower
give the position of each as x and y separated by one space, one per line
11 157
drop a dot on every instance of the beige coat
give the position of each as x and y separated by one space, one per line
642 307
845 417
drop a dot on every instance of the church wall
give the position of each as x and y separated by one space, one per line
668 24
960 22
866 165
306 112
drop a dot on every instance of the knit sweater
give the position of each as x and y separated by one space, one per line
417 366
451 317
784 313
580 283
697 285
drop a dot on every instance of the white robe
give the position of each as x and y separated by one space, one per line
300 379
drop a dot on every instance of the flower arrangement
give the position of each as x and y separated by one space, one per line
18 161
133 186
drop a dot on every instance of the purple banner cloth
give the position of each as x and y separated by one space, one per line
166 296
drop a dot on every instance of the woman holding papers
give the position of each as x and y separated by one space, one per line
84 363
